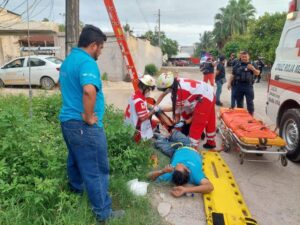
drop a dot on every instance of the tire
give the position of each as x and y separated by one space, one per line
1 84
290 132
47 83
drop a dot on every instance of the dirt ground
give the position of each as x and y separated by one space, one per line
271 191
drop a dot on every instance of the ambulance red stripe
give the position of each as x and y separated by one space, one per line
286 86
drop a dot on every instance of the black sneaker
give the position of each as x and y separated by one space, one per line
219 103
203 135
208 146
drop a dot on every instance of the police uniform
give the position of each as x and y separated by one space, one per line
243 85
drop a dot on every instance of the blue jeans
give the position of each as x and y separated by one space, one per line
219 90
87 164
170 144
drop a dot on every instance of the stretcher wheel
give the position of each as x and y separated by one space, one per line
241 159
283 160
226 147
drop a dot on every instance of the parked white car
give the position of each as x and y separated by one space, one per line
44 71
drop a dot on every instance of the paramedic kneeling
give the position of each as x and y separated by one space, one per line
185 168
243 75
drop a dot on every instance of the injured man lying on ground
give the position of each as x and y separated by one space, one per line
185 170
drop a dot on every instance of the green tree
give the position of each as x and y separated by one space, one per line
61 28
265 34
233 19
45 20
168 46
127 28
206 43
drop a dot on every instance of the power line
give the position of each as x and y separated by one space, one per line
143 15
51 13
3 7
33 6
13 10
42 10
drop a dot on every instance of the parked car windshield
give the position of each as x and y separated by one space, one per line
54 60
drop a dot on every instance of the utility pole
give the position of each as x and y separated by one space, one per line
159 40
72 24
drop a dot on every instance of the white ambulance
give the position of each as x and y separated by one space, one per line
283 105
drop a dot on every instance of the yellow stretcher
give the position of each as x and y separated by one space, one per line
225 205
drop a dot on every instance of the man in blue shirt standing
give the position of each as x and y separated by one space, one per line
81 119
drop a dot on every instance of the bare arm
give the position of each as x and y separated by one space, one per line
254 70
142 119
229 82
89 100
161 97
155 174
204 188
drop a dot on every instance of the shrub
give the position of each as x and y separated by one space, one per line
104 76
151 69
33 182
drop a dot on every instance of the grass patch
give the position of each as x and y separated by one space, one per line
33 182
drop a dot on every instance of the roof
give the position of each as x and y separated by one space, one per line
34 26
181 55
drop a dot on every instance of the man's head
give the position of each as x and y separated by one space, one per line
222 58
91 40
244 56
181 175
232 55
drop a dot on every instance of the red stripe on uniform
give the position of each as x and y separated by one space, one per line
286 86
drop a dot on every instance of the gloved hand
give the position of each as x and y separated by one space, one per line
156 108
179 124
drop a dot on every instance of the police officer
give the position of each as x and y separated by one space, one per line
243 75
260 66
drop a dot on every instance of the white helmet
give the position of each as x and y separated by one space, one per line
165 80
147 80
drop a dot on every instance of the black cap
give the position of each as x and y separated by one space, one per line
90 34
222 58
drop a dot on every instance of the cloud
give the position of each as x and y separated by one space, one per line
182 20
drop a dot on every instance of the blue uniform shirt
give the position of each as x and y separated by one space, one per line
77 70
192 160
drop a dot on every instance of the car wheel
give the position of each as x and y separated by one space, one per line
1 84
47 83
290 132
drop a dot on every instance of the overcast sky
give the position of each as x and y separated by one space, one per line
182 20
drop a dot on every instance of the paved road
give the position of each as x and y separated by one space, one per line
272 192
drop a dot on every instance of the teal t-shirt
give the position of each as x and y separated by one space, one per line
192 160
79 69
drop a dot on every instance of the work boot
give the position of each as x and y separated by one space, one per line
219 103
210 145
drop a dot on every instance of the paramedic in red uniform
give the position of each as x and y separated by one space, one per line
137 113
198 97
209 71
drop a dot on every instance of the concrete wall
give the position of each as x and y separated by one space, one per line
142 51
9 48
111 61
